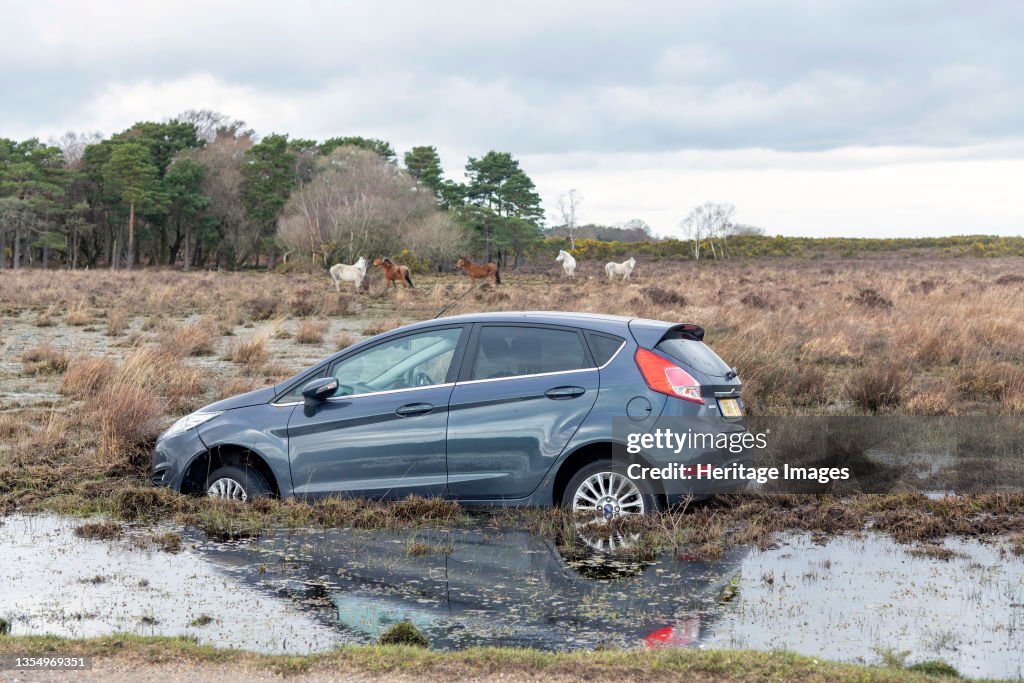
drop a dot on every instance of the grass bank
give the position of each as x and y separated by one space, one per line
389 661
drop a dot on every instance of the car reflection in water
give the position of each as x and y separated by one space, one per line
484 586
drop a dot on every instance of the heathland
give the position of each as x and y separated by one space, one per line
96 363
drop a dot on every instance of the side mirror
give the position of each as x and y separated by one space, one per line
316 392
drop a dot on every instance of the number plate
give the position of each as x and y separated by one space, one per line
730 407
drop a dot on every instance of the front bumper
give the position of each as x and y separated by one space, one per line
173 455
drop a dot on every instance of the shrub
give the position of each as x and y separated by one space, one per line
78 316
879 385
663 297
117 322
302 303
935 668
233 387
11 425
45 359
310 332
250 352
381 326
262 307
98 530
343 340
193 339
870 298
128 419
404 633
86 376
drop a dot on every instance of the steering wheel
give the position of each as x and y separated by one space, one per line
422 379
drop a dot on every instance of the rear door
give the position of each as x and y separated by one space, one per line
522 393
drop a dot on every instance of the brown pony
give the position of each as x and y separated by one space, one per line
394 273
478 272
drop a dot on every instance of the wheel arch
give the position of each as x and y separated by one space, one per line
194 480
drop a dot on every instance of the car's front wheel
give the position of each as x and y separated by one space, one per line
231 482
604 488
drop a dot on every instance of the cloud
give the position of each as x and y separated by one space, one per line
539 77
676 98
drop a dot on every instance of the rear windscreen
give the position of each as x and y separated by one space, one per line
695 354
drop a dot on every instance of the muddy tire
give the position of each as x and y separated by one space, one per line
604 488
231 482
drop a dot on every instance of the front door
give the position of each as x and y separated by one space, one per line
523 394
382 435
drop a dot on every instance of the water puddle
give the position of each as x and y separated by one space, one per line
308 590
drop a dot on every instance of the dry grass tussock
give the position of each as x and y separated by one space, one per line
45 359
311 332
251 352
110 430
199 338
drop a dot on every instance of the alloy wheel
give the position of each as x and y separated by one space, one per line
609 494
228 489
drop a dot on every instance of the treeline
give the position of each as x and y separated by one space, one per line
755 246
200 190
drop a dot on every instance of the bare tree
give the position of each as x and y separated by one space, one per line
693 230
707 223
356 203
73 145
223 159
210 123
439 238
568 205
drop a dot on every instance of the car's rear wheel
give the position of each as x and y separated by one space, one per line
231 482
604 488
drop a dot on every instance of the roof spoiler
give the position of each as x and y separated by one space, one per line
648 333
687 331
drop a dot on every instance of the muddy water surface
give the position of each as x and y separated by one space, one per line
309 590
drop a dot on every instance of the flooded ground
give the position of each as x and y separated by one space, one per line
303 591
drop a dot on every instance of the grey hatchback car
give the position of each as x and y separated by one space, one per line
486 409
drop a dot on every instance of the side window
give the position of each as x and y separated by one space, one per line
415 360
514 351
295 394
603 346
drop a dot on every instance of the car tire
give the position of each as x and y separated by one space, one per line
608 479
231 482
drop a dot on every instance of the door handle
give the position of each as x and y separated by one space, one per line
414 409
564 392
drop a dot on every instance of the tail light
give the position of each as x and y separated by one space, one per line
666 377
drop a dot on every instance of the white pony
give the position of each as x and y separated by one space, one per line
625 269
568 262
354 273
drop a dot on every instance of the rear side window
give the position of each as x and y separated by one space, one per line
695 354
515 351
603 346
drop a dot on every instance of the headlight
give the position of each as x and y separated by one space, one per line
190 421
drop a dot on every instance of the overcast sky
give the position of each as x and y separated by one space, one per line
814 118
